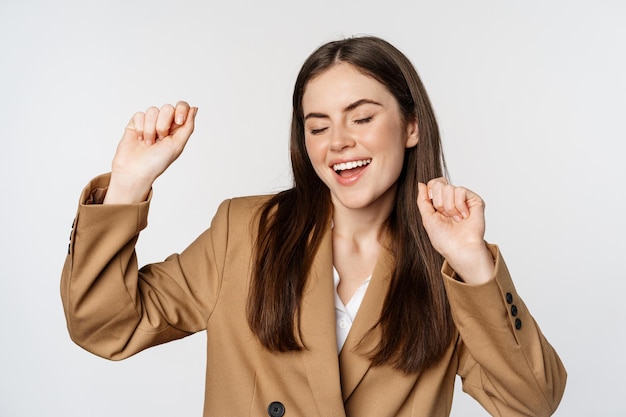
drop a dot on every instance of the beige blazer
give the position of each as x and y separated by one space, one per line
115 310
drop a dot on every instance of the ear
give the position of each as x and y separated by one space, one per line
412 133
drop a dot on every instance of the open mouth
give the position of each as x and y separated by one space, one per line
347 169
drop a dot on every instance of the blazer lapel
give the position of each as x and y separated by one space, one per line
318 331
353 360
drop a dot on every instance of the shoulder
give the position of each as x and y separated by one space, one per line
249 203
239 211
243 206
234 223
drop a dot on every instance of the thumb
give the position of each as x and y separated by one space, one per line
424 203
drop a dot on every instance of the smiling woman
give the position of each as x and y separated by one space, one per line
352 118
370 286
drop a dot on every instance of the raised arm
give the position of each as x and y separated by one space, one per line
113 308
505 361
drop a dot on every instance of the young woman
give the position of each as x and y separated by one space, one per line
361 291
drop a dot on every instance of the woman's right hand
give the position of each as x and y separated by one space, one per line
152 141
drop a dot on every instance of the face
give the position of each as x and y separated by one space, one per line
355 137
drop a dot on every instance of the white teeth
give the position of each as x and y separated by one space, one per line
350 165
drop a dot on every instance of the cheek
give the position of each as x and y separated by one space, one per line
388 139
314 150
316 156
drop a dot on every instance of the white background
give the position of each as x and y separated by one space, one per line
530 96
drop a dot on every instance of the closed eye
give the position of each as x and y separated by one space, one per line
363 120
318 131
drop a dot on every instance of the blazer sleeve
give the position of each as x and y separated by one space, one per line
505 362
112 308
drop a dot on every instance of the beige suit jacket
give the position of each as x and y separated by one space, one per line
115 310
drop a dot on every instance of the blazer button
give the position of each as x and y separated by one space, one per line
509 297
276 409
514 310
518 324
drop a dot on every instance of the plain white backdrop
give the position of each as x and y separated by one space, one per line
530 97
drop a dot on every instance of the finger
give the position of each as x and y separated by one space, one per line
164 121
435 192
182 109
460 201
149 125
182 134
474 200
135 125
424 203
436 183
449 202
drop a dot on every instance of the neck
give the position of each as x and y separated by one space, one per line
357 240
361 225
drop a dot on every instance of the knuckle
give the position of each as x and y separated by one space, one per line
152 112
137 121
434 182
167 108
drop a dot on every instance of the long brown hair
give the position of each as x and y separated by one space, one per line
415 322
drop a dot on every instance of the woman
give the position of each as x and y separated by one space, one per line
361 291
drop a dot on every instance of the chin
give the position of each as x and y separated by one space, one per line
355 202
359 200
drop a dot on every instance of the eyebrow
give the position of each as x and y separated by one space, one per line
346 109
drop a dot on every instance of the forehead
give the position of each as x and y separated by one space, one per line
341 85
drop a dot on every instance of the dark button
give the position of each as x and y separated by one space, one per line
518 324
509 297
514 310
276 409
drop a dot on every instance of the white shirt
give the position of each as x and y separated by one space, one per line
345 314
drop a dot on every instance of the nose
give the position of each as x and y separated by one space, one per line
341 138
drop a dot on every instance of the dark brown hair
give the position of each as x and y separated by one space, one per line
415 321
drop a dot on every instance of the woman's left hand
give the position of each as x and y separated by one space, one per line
454 218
